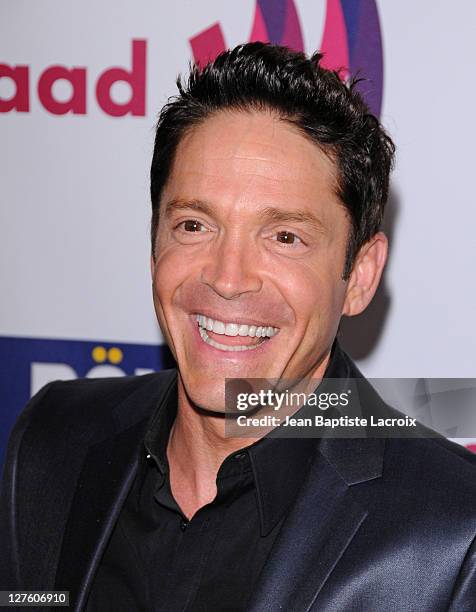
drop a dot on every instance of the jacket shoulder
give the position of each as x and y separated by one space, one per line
85 407
47 447
433 463
93 395
425 468
428 485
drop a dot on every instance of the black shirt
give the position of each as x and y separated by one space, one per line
157 560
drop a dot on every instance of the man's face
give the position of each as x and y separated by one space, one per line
251 237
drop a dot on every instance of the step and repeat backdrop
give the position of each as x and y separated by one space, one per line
80 88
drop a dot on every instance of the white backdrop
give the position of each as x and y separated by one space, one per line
74 224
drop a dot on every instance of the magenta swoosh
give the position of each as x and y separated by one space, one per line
207 44
334 40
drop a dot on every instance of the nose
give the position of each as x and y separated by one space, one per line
233 268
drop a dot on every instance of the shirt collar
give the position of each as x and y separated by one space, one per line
279 465
157 435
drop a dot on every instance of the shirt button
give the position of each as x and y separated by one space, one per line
183 524
240 456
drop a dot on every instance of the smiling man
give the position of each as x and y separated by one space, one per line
253 234
269 181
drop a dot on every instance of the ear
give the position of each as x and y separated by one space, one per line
365 276
152 267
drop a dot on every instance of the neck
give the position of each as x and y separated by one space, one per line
196 449
198 446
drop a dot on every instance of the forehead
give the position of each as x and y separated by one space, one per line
251 157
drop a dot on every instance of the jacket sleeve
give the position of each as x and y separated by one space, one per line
10 578
464 594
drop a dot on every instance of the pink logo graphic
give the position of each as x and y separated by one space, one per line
351 40
77 77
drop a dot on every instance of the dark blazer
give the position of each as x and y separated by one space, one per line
378 526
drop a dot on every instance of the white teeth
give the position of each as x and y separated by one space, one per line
243 331
235 329
231 329
218 327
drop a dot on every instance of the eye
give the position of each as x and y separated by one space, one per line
192 225
286 237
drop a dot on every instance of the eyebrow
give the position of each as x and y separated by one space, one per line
300 216
178 204
268 213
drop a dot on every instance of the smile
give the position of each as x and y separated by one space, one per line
231 329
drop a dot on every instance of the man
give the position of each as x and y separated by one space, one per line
268 182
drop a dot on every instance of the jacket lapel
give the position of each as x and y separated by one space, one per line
319 528
101 490
106 477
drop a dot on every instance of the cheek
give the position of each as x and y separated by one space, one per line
167 273
160 283
315 292
174 272
165 282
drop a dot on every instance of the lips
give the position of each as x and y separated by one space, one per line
233 336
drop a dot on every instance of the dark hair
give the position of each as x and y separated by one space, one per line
261 76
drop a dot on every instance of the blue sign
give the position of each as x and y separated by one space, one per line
30 363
